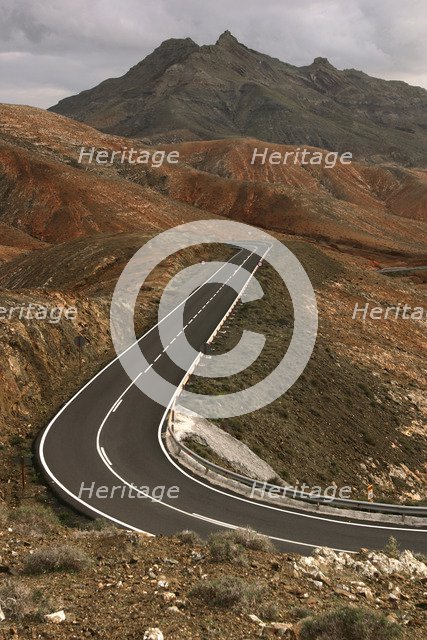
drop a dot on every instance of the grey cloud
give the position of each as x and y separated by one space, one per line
52 48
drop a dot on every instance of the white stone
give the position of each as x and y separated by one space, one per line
162 584
57 617
318 584
153 633
255 618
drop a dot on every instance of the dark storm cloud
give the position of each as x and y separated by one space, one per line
53 48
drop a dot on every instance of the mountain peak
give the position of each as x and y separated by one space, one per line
322 62
226 38
176 45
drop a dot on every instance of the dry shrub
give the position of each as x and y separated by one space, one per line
51 559
350 622
4 515
224 549
34 519
228 546
189 537
18 602
226 591
251 539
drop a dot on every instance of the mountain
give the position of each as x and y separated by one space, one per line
183 91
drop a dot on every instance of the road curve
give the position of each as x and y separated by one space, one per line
109 434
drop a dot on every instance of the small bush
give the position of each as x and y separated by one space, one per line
34 519
368 438
189 537
222 549
349 622
391 549
301 612
101 524
250 539
50 559
19 602
421 557
226 591
227 546
270 611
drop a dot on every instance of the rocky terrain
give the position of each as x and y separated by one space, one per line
359 207
93 581
183 91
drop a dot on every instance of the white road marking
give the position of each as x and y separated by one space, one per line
117 405
106 457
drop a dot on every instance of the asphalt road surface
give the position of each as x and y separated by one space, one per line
108 435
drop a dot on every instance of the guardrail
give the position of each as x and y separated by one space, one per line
290 492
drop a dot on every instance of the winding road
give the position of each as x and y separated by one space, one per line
109 435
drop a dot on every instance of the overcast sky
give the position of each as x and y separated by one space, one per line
50 49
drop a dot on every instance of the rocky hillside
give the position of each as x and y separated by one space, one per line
81 581
183 91
46 194
358 206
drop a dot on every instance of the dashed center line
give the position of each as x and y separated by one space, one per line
195 316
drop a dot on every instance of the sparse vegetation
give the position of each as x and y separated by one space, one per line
189 537
351 623
101 524
274 432
34 519
222 548
4 515
251 539
227 546
269 611
391 549
301 612
226 591
19 602
50 559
